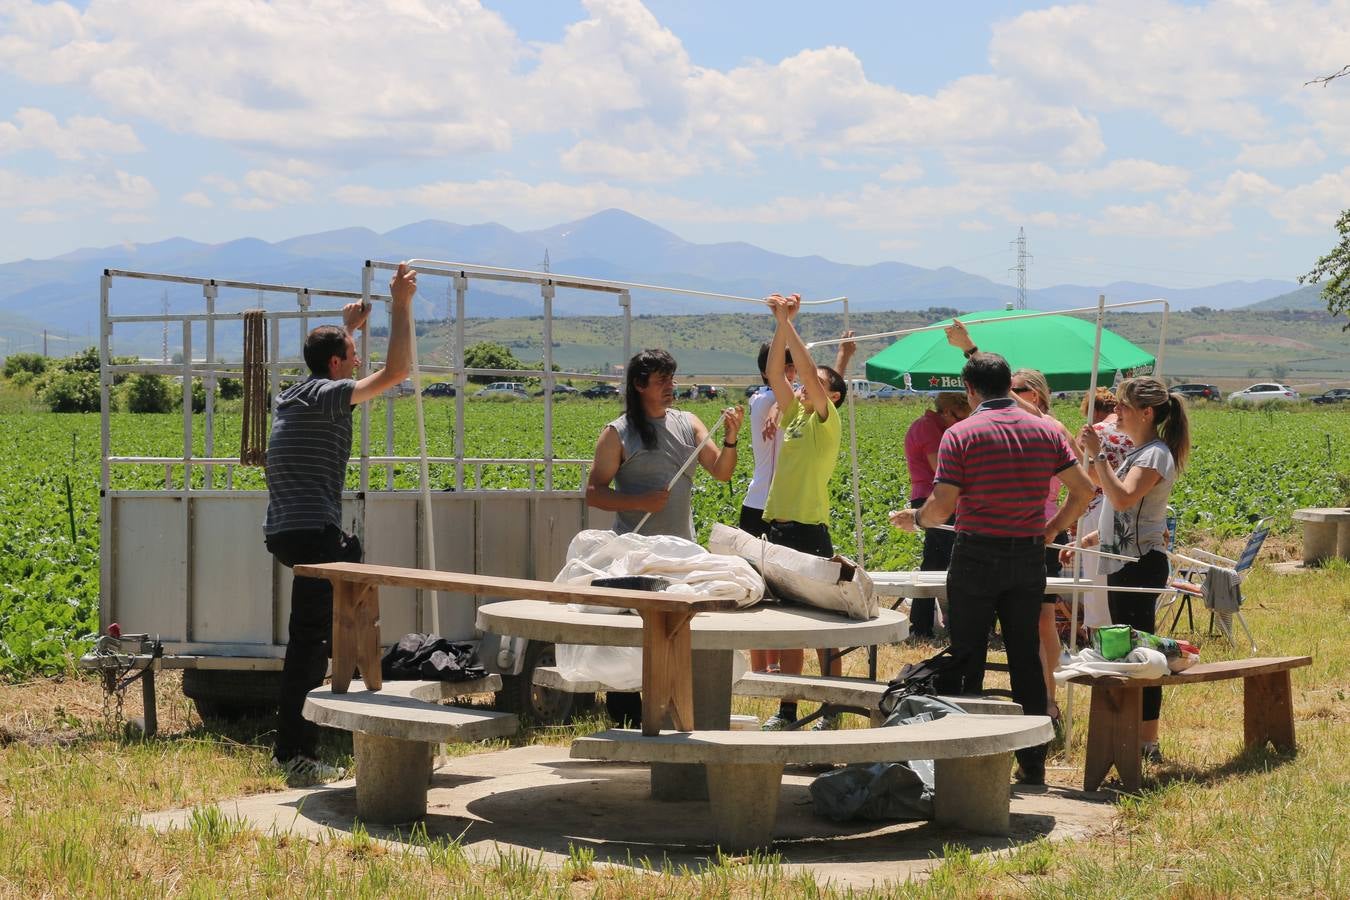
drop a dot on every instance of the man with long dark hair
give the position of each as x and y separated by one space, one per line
637 455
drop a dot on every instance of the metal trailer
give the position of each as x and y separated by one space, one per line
185 560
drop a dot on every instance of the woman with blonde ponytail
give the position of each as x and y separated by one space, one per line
1133 518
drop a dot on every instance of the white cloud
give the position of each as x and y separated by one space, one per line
1313 208
1133 175
221 183
974 225
1289 154
600 158
1202 69
272 189
1186 214
198 199
79 137
42 198
905 171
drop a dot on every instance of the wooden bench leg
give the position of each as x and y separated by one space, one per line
1268 711
344 634
392 777
743 800
368 636
667 672
1113 737
972 793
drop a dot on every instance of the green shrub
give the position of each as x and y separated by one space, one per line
29 364
65 392
149 394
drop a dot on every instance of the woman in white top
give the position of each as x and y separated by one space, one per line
1133 518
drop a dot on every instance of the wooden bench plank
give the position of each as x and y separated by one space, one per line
519 588
1113 722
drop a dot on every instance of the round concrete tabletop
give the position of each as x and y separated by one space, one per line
934 584
763 627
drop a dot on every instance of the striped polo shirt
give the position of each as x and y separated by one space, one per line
307 455
1002 458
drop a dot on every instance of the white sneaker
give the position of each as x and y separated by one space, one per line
303 771
826 723
775 722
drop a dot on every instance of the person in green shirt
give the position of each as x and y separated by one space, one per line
797 513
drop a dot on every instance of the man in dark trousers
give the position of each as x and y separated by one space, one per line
307 455
994 471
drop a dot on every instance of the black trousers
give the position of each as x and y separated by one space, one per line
1137 610
310 631
1004 578
937 557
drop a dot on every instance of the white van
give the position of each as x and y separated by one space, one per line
861 388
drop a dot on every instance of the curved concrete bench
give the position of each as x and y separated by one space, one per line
395 732
972 754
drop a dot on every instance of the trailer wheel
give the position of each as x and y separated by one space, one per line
543 706
233 693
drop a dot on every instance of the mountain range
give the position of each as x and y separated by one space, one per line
61 294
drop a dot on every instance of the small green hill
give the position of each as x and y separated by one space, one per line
1306 297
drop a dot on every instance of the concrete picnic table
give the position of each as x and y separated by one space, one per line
1326 534
662 629
714 635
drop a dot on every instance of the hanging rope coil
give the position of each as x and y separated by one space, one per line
257 399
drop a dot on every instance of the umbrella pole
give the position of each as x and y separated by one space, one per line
1078 557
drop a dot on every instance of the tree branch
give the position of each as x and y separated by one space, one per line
1327 79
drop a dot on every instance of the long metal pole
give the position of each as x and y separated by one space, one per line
428 523
982 322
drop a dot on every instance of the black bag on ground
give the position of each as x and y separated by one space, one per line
921 677
430 657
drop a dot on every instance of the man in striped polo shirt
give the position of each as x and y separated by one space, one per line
994 471
307 456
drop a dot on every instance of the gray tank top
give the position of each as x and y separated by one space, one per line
646 470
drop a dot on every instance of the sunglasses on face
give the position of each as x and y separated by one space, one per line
1022 390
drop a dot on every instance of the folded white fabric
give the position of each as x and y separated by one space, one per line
835 584
1141 662
691 569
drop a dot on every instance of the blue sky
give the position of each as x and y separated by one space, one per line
1166 142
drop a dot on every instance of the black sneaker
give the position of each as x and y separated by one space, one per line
1030 774
1151 753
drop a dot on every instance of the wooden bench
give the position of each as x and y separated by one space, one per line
667 655
972 754
1326 534
395 732
1117 704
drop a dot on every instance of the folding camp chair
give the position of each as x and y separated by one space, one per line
1187 583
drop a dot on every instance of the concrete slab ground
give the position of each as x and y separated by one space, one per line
537 799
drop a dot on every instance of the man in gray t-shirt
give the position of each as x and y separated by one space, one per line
307 455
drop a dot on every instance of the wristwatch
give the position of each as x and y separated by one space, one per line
971 352
1101 456
730 446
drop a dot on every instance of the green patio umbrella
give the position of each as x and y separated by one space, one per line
1059 346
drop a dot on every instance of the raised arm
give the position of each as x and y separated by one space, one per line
775 367
402 288
817 394
1123 493
844 354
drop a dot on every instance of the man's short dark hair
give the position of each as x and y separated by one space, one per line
837 384
764 360
322 344
988 375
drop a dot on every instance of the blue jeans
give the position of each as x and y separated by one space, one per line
1005 578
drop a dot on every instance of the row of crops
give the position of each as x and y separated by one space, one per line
1245 464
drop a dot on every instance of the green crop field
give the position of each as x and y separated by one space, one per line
1246 463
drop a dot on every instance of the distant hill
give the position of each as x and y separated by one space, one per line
1306 297
62 293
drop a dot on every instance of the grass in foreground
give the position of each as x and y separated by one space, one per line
1211 820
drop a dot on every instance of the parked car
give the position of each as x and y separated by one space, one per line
891 392
862 389
439 389
600 391
509 389
753 389
560 390
1335 395
1263 393
1199 391
704 391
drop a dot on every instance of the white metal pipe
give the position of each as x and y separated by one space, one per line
104 379
462 380
451 268
428 523
1162 341
366 283
546 292
187 405
853 458
1052 544
981 322
209 380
